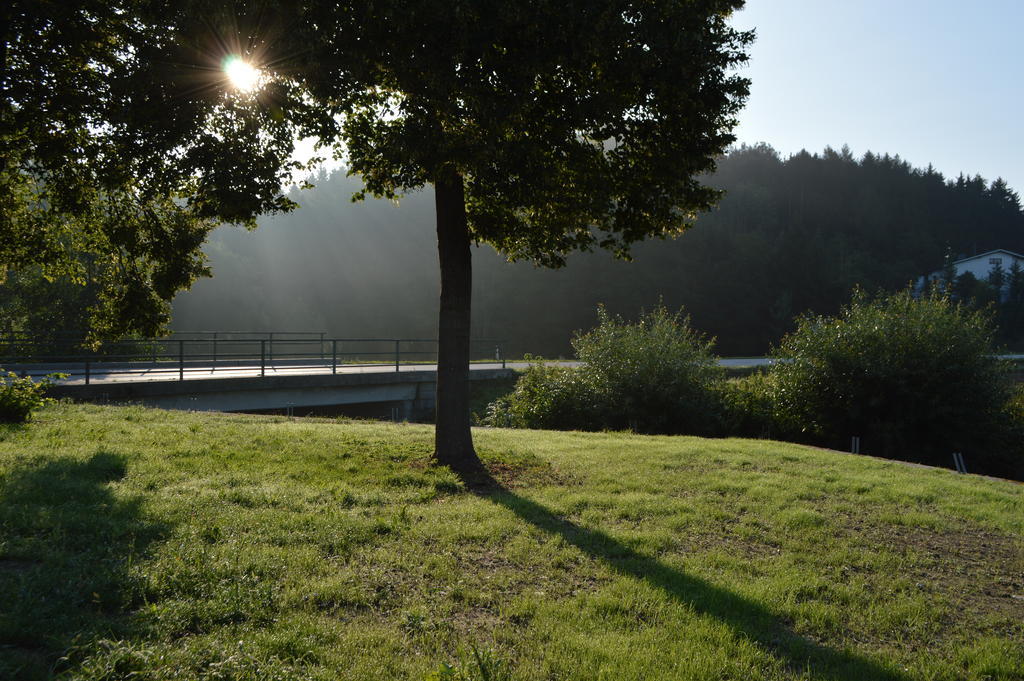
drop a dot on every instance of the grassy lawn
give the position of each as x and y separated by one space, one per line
143 544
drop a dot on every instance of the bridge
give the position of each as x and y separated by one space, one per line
259 371
247 371
298 372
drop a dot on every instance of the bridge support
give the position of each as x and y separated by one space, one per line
412 391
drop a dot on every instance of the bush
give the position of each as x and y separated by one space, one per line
552 398
655 376
916 379
1006 458
748 407
19 397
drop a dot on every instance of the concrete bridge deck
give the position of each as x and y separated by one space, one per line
409 391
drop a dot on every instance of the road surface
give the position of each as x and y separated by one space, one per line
116 372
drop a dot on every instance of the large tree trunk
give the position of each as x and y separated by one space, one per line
453 442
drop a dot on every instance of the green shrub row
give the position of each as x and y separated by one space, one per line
915 378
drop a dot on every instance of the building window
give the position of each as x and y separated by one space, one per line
995 261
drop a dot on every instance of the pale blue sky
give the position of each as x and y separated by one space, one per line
935 81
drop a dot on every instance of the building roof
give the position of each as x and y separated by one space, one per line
988 253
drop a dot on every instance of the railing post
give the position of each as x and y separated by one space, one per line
181 360
321 346
334 355
214 348
263 357
271 348
87 370
397 355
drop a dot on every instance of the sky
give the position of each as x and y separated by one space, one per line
933 81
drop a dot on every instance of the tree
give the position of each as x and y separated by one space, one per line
997 279
1011 311
543 127
948 271
70 210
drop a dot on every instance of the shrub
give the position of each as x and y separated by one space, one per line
19 397
916 379
655 376
748 407
1006 456
550 397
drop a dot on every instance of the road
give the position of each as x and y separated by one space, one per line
117 372
170 371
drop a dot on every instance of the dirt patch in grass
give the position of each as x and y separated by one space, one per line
481 569
748 549
980 566
513 473
508 470
980 572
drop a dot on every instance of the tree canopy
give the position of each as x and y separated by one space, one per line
69 207
572 124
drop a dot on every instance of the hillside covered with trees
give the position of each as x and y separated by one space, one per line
791 235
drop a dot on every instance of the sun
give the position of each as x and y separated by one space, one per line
242 75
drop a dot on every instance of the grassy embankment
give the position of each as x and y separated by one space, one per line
205 546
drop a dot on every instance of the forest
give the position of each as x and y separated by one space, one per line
790 236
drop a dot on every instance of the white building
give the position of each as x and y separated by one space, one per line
980 266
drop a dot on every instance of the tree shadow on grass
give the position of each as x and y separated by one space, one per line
66 551
747 619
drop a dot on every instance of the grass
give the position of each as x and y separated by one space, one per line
143 544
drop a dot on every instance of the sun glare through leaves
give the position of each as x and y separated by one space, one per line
242 75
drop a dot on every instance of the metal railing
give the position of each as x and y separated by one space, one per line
207 354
